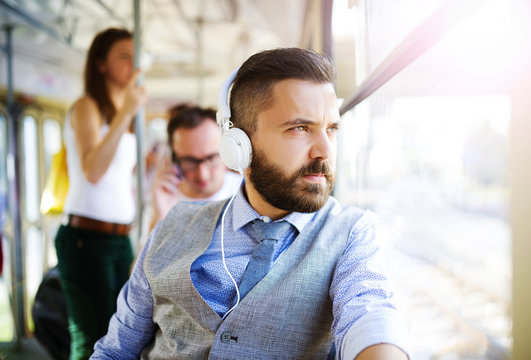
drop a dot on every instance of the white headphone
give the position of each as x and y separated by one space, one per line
234 147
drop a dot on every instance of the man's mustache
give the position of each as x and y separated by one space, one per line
316 167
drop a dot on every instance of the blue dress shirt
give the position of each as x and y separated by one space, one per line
207 272
363 307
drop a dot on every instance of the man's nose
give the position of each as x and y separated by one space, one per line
202 171
322 146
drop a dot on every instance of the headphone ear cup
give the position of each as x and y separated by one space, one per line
235 149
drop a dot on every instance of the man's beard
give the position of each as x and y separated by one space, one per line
286 192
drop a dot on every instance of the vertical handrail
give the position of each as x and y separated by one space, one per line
13 176
199 30
139 121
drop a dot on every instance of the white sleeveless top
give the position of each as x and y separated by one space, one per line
112 198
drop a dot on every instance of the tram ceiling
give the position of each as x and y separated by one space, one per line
188 46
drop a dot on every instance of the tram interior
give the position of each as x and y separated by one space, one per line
432 139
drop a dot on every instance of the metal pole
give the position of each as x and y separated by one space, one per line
200 52
139 129
13 176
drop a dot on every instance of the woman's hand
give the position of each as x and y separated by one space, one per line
134 97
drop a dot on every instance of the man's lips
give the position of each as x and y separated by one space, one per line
316 178
201 184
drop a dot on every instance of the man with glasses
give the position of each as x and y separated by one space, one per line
195 171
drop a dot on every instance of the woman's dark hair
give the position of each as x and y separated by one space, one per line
94 80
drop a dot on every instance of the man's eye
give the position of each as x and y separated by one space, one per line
332 129
188 163
299 128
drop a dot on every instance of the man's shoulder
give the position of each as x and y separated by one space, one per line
349 215
336 208
189 208
187 216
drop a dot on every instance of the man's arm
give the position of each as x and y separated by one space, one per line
365 313
131 328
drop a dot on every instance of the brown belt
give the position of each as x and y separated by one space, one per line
85 223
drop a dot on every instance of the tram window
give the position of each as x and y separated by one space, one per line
34 249
428 152
434 169
52 133
390 22
31 174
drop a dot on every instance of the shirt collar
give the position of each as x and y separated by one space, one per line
243 213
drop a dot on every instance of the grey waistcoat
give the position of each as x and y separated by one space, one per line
287 315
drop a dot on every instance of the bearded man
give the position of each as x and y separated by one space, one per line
281 270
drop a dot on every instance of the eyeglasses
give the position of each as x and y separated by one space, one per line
189 163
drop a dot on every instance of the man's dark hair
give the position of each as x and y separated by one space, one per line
251 91
188 117
94 80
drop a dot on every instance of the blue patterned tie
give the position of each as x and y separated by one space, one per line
262 257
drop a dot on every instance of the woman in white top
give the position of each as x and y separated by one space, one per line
93 247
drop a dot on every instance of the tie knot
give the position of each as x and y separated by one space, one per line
271 230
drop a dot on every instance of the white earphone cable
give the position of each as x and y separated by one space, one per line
223 259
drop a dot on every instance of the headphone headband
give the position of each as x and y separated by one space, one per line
223 113
234 146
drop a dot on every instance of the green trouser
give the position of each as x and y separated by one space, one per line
93 266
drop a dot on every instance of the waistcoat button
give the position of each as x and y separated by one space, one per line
225 337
